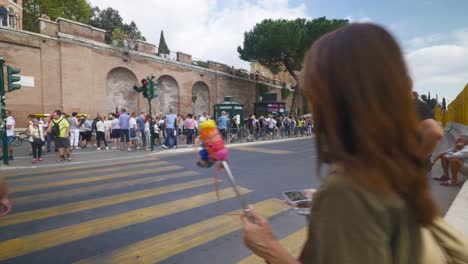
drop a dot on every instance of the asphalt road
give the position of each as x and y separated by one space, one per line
156 209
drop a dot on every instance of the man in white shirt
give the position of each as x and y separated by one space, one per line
456 161
132 125
10 123
203 117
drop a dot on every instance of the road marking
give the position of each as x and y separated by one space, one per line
292 244
78 173
264 150
66 168
83 205
158 248
98 187
92 179
47 239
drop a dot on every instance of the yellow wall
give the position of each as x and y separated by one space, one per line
457 110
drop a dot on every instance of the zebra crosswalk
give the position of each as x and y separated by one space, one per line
76 214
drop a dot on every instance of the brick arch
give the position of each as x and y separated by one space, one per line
120 93
168 95
201 94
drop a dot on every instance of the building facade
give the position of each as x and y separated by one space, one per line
11 14
282 77
68 66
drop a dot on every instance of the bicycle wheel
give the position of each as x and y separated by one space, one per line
23 136
16 142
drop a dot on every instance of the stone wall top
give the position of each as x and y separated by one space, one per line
218 66
146 47
48 27
184 57
81 30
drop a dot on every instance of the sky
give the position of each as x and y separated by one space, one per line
432 33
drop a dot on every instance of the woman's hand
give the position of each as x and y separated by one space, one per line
309 193
258 235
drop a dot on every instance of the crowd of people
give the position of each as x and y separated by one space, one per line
131 131
375 204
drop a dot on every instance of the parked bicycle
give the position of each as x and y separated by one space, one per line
18 139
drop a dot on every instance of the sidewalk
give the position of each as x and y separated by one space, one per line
91 155
457 214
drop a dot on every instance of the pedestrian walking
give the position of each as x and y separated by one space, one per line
189 125
124 119
10 131
60 129
107 133
147 133
115 131
35 132
222 123
74 131
133 130
140 120
171 126
101 127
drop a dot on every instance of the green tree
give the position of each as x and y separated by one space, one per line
444 104
119 36
433 103
424 98
77 10
285 92
163 49
277 43
109 19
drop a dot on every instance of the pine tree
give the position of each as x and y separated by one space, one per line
163 49
444 104
429 96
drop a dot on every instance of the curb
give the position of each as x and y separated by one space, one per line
457 214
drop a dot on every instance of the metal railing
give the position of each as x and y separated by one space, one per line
244 135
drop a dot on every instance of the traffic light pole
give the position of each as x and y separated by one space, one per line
151 124
4 127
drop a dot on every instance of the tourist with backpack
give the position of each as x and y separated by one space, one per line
60 129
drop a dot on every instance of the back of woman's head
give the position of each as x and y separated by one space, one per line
364 114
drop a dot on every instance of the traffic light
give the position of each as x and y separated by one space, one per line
143 88
12 79
153 87
148 88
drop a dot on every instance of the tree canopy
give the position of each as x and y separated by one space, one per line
281 42
77 10
110 20
162 48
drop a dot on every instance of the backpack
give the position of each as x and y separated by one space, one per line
93 125
55 131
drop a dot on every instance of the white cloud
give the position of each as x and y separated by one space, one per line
358 20
364 20
206 29
439 63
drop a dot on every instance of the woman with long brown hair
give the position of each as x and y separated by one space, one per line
375 199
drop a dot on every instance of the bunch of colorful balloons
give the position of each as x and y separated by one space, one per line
213 148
